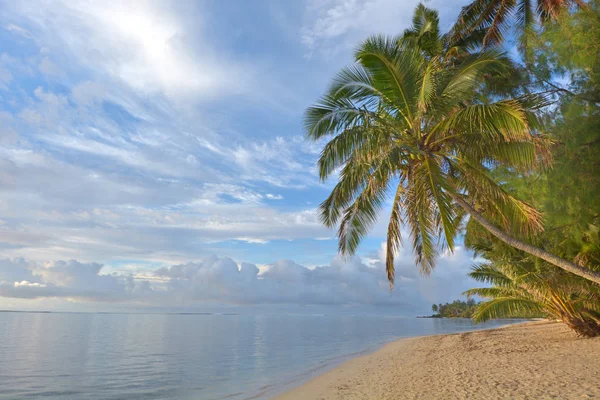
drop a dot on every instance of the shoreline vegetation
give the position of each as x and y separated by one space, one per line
456 309
539 359
467 309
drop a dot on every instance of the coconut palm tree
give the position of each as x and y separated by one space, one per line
488 20
409 120
520 289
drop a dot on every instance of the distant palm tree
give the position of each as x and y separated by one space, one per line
408 115
490 19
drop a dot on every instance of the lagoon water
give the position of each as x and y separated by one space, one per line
186 356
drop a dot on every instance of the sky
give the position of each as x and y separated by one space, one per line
152 154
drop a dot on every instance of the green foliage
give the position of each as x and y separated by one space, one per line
569 46
488 21
410 117
456 309
522 288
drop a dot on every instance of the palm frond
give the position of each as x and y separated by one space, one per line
395 70
331 115
488 274
506 307
497 26
445 208
394 236
419 210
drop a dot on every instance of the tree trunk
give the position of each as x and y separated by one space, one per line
535 251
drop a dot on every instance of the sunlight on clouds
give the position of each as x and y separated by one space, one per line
154 53
271 196
141 42
252 240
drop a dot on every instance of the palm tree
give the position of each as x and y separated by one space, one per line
522 286
410 119
488 20
519 289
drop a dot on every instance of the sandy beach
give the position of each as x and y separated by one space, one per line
535 360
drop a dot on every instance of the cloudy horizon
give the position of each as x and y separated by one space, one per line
152 152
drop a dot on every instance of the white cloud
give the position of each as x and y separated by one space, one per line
334 26
88 93
8 133
223 281
67 211
142 43
5 75
253 240
279 162
49 68
68 279
19 31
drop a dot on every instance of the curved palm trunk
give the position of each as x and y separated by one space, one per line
535 251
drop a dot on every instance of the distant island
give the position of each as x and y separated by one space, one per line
456 309
467 309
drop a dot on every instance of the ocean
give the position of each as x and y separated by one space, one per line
187 356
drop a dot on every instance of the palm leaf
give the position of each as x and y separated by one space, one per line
394 236
506 307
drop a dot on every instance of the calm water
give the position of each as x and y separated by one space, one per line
156 356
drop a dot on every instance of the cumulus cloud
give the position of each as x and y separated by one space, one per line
63 279
16 270
220 280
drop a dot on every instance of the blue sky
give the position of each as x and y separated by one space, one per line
142 135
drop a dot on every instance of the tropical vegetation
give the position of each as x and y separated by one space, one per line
568 194
449 126
456 309
488 21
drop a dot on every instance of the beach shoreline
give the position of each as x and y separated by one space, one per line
538 359
281 388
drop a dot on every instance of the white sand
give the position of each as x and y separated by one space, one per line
537 360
